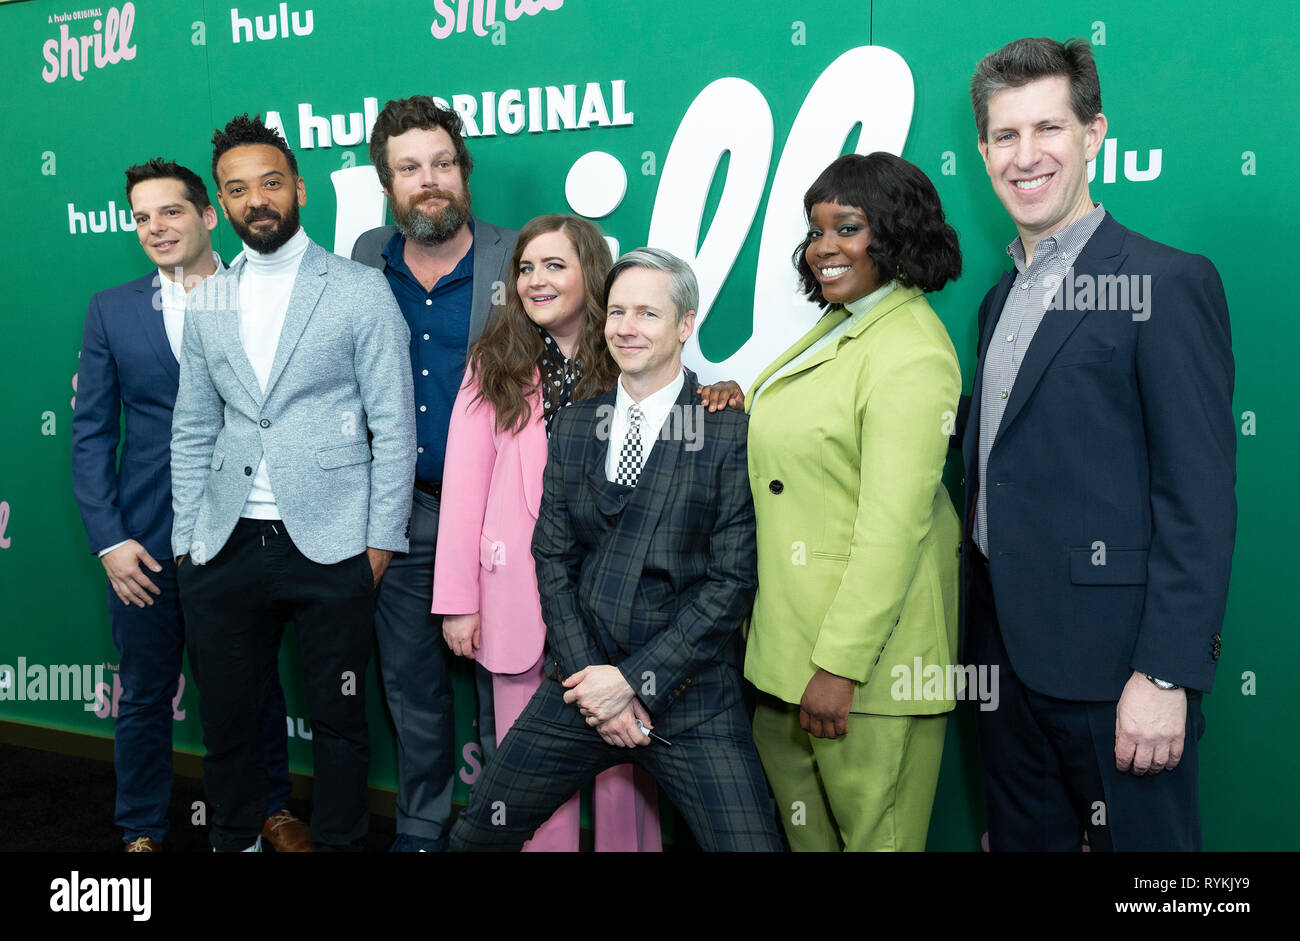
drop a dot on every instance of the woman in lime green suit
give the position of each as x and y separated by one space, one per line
854 629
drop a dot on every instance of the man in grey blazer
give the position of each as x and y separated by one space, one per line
290 360
446 269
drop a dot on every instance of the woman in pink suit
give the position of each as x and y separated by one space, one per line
543 350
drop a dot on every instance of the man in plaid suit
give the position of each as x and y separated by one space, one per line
646 567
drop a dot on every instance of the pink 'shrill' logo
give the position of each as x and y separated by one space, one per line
108 43
107 700
456 16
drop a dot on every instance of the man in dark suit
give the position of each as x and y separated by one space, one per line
1100 463
445 268
646 567
130 360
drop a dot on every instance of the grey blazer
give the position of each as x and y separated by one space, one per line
342 368
493 249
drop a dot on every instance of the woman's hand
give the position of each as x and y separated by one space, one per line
824 708
462 634
720 395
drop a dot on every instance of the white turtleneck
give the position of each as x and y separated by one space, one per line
265 285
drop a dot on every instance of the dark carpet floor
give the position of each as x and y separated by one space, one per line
51 802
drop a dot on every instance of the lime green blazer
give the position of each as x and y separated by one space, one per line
858 542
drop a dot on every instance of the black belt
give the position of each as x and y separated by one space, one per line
431 487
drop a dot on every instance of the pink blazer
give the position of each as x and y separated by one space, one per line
491 492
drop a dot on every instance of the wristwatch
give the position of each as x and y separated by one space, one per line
1163 684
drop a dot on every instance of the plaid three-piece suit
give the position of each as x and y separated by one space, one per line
656 579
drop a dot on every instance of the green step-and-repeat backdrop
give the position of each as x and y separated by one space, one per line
693 126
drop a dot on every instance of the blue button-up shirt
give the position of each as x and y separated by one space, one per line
439 322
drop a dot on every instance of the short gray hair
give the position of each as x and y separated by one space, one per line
682 286
1027 60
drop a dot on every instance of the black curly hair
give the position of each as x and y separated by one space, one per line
240 131
911 240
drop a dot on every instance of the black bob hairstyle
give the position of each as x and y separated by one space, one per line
911 240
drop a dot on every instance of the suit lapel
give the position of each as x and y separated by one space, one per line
995 310
531 446
154 327
652 486
970 440
895 299
609 497
656 478
489 257
819 330
644 506
227 295
1100 256
307 289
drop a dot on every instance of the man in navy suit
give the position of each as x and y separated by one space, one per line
130 362
1100 462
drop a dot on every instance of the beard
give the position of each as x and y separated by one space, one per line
266 242
432 228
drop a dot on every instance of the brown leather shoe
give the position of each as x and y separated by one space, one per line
287 834
142 844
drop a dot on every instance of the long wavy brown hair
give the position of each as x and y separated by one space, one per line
506 359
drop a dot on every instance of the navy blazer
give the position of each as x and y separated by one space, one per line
1111 509
658 578
126 367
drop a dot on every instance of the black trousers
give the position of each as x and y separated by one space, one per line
1048 765
236 606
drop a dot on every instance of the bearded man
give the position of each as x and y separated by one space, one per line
443 266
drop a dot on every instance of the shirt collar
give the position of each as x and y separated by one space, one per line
654 407
552 348
1068 241
173 290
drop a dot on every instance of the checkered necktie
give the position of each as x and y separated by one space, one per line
629 459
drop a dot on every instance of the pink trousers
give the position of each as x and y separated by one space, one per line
625 804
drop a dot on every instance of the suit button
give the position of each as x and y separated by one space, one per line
248 472
963 481
265 423
776 486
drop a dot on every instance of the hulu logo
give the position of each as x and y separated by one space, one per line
269 27
111 219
